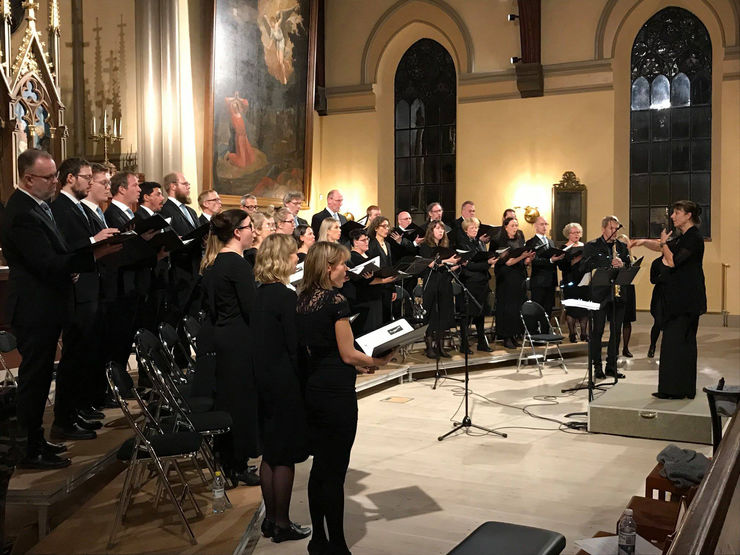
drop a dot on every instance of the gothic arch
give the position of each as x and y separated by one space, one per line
435 13
720 17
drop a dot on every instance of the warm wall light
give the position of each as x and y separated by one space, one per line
531 213
515 59
512 17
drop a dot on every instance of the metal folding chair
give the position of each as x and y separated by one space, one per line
191 327
538 332
8 344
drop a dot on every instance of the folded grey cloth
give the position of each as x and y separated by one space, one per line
683 467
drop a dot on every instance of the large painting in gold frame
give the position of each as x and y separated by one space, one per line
259 113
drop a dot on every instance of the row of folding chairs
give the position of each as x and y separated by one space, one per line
172 427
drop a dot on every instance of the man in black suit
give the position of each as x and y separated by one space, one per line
79 365
210 205
151 199
292 200
40 295
544 276
184 264
334 200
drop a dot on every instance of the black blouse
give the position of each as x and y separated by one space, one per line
685 291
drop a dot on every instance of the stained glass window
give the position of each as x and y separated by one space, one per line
670 120
425 130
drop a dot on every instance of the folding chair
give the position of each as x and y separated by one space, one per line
538 332
149 448
723 401
8 344
191 327
175 349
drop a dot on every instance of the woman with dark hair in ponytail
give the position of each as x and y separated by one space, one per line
684 300
229 290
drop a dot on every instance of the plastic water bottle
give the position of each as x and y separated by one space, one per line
219 499
627 530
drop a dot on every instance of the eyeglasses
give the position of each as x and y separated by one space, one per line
212 200
105 183
247 207
183 183
363 239
86 177
52 177
291 222
249 227
384 225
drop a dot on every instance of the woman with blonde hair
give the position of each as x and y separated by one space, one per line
264 225
229 292
330 230
572 275
284 221
282 419
325 336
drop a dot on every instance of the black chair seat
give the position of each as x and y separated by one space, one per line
200 404
547 337
165 445
211 421
503 538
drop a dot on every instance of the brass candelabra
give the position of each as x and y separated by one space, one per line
107 135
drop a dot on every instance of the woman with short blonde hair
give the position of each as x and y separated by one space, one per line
330 230
274 262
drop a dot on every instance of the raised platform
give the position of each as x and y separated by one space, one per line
630 410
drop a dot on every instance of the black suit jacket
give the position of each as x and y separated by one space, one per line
142 213
179 222
116 217
41 264
598 254
77 229
185 263
544 273
203 220
320 217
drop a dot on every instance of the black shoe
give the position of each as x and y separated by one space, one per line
615 373
509 343
443 353
91 425
249 478
44 461
599 373
660 395
584 337
626 353
470 351
484 347
573 338
651 351
292 532
51 448
267 528
317 547
89 413
71 432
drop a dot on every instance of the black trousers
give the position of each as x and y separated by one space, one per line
615 332
37 345
545 297
677 371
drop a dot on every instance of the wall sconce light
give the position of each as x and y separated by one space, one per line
512 17
531 213
515 59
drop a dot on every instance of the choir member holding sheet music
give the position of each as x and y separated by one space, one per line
379 246
511 274
475 274
438 299
331 363
570 285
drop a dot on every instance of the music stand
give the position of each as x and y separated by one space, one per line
466 421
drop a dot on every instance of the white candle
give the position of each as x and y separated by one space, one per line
93 125
105 121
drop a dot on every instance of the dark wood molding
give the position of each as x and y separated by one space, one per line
529 75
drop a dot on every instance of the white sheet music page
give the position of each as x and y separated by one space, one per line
359 268
369 341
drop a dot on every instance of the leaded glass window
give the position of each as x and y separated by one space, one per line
425 130
670 120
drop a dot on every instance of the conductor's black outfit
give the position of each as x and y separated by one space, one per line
40 301
598 254
684 300
544 276
80 364
475 276
331 410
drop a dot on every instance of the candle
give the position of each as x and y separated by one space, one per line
105 121
93 125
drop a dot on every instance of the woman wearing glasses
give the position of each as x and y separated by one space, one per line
284 221
264 225
378 230
229 289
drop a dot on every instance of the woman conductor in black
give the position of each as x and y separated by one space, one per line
684 300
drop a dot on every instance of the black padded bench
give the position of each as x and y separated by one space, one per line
502 538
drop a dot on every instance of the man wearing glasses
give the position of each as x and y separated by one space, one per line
292 201
40 294
210 205
184 218
248 203
74 415
334 200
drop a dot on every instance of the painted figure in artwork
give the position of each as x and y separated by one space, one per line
244 154
278 20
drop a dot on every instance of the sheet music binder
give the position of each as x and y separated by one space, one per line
384 339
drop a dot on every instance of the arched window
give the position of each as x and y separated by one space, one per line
670 120
426 116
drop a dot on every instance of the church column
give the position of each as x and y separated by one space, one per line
158 95
78 79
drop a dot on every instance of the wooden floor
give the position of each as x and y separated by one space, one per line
408 493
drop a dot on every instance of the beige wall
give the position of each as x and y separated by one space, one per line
511 150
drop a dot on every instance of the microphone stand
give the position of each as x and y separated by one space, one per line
437 374
466 421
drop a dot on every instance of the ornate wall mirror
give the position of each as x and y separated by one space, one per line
568 205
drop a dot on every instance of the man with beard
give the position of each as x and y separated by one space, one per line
74 416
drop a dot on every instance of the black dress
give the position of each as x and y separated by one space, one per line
510 292
230 291
282 418
475 276
366 300
386 260
684 299
331 408
572 276
438 298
